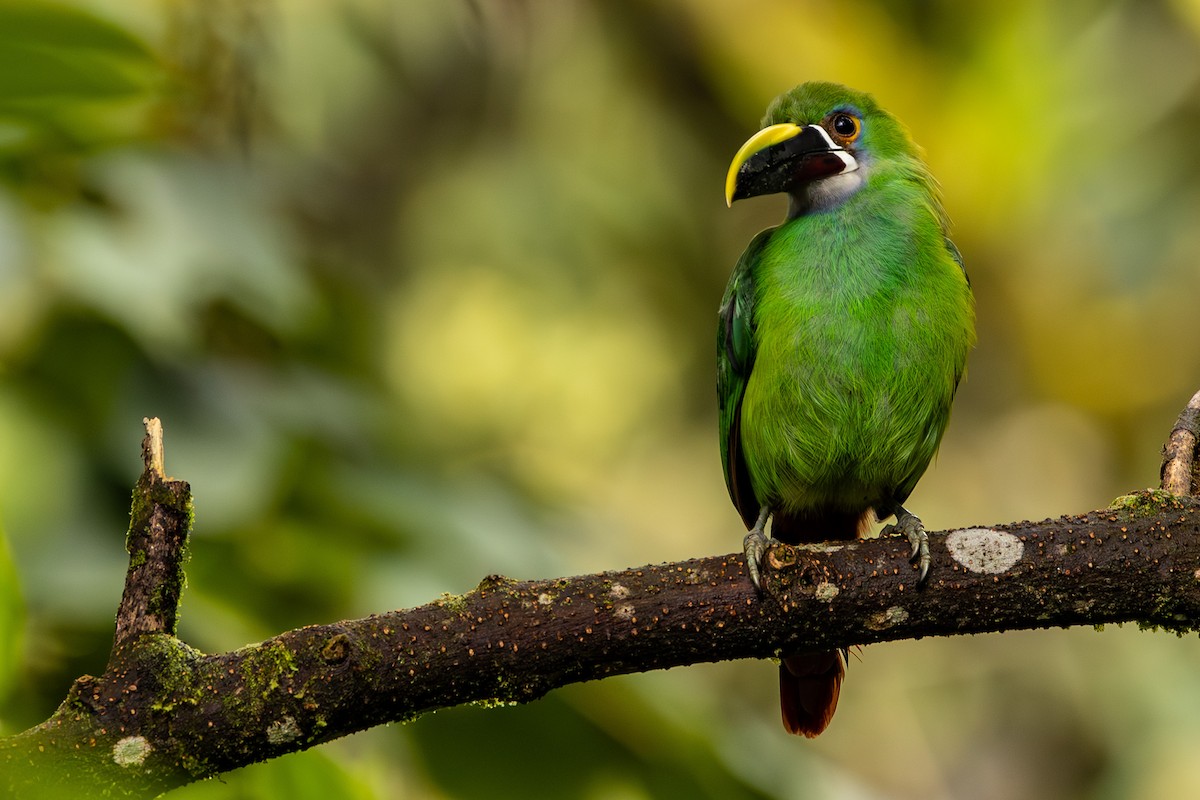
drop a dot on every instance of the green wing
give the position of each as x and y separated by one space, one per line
952 249
735 359
935 431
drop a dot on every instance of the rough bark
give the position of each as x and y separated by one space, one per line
164 714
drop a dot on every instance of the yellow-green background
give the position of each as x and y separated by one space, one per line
425 290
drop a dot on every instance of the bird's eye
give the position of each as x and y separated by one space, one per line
846 127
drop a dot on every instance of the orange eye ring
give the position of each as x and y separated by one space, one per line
844 127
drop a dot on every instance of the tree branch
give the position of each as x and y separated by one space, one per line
159 522
164 714
1179 471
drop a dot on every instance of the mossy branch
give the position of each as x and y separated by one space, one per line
164 714
160 520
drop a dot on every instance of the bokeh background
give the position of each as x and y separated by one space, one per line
426 289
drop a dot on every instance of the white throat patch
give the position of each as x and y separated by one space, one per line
836 189
833 191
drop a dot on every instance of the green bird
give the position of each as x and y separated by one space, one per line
842 338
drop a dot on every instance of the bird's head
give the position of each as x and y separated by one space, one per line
820 143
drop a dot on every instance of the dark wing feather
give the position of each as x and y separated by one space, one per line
735 359
952 249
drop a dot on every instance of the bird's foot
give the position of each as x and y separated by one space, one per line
908 525
755 545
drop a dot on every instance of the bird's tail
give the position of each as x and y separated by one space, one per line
809 683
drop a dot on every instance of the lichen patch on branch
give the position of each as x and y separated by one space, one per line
893 615
619 591
985 550
131 751
283 731
826 591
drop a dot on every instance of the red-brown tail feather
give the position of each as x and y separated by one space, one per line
809 683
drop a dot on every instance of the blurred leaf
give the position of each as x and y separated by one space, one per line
12 618
31 21
52 53
550 749
68 81
193 233
310 775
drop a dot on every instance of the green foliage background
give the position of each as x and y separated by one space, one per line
426 290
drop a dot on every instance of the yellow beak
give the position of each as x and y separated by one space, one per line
772 134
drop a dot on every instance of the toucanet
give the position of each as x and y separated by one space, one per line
842 338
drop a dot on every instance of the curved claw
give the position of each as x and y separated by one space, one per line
913 529
755 544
